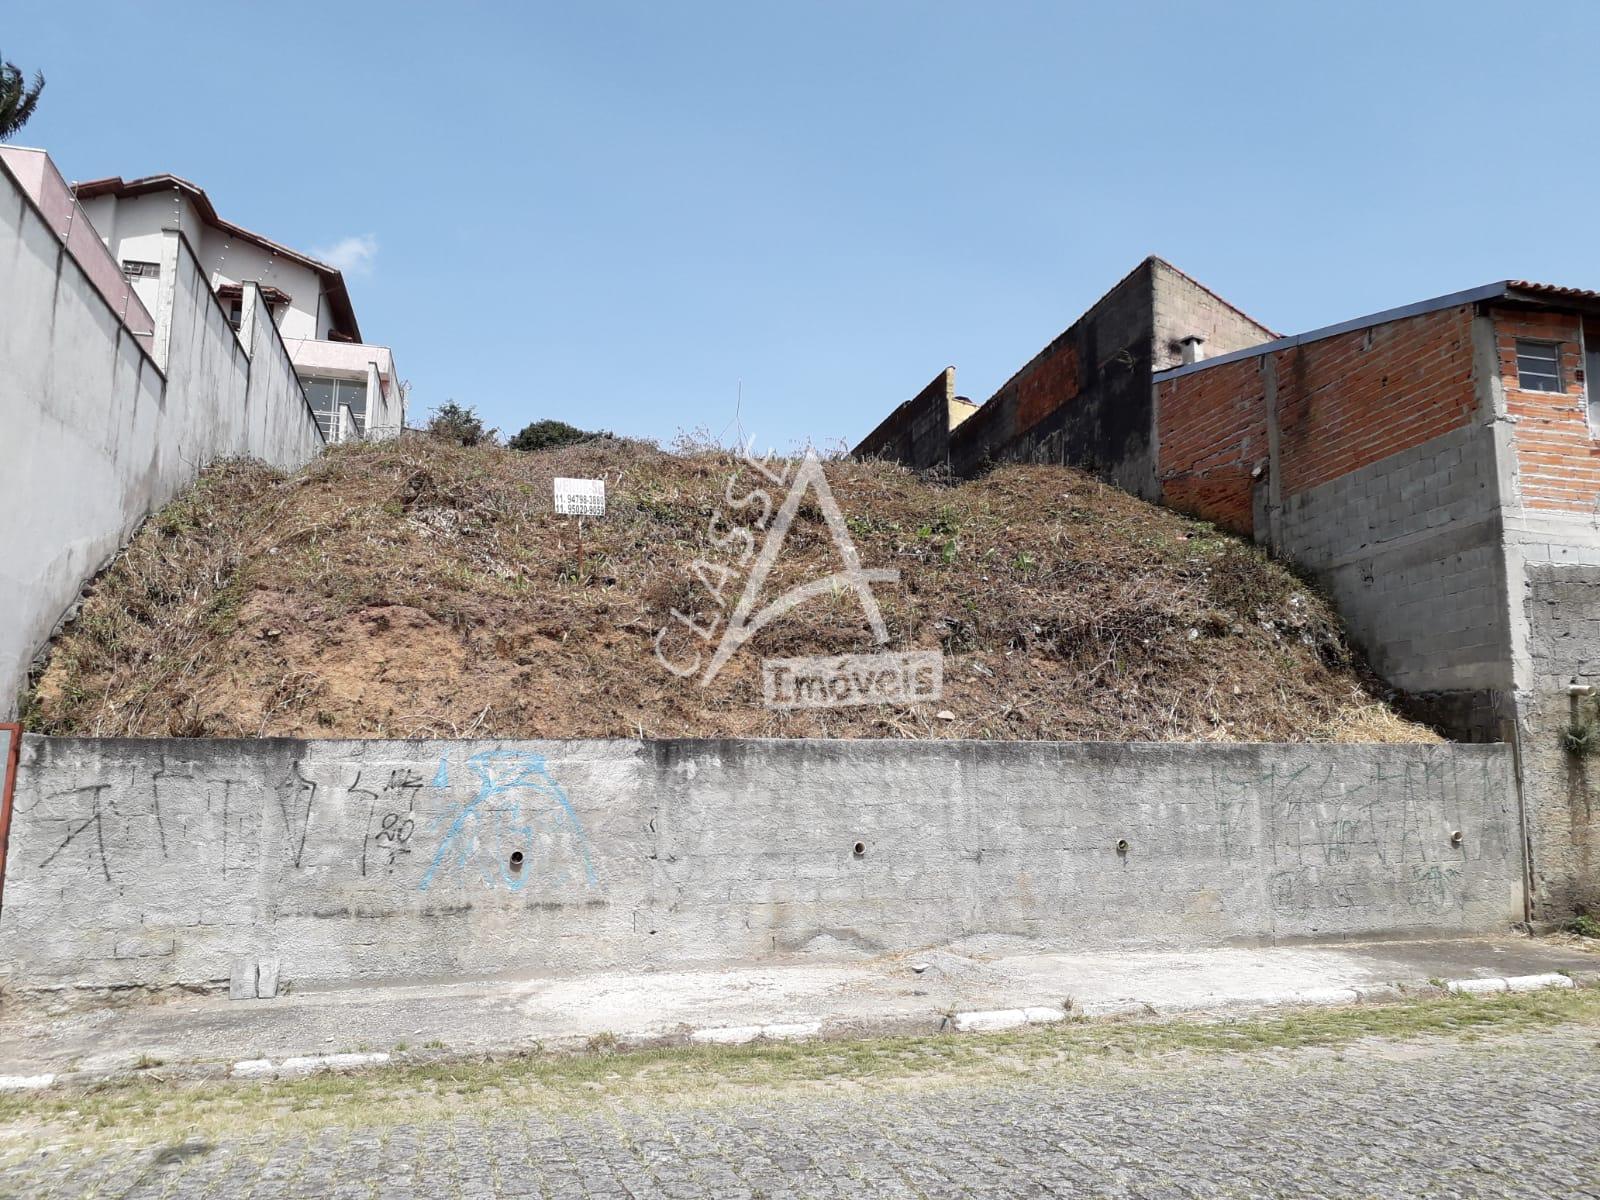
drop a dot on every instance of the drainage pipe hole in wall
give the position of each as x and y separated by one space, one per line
1122 845
516 861
859 850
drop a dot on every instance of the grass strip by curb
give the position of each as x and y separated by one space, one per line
148 1108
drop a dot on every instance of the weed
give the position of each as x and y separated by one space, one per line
1584 926
1581 738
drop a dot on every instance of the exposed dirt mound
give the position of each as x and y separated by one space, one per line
414 589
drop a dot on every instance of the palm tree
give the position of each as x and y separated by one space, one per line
17 99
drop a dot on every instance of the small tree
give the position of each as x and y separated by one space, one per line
459 423
542 435
17 98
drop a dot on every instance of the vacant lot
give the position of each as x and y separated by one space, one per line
414 588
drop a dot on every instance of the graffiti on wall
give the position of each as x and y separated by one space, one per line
391 818
497 818
517 825
1400 834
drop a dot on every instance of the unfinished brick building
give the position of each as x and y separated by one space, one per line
1435 467
1085 398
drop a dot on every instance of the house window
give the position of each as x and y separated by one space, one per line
327 395
1539 366
134 269
321 393
236 313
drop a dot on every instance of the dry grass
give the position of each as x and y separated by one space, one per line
149 1109
412 589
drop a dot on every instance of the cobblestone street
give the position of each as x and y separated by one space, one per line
1511 1117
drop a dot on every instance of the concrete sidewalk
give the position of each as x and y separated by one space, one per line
967 986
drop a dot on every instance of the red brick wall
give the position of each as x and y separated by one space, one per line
1212 430
1557 458
1343 402
1355 399
1045 385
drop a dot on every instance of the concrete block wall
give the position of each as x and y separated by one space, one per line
917 434
1449 512
1183 307
1082 400
275 407
1356 398
37 176
1553 562
1408 547
162 862
1550 470
1562 606
98 431
1370 458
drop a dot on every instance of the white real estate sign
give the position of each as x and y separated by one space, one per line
581 497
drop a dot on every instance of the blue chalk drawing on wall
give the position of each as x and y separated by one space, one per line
519 810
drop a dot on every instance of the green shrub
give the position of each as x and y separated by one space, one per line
1584 926
542 435
459 423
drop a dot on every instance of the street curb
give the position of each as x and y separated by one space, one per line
26 1083
967 1022
1005 1018
1510 983
304 1064
738 1035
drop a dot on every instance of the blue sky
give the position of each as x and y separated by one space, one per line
618 213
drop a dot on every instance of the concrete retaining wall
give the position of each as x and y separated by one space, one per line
96 431
158 862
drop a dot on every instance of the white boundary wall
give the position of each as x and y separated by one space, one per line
96 433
